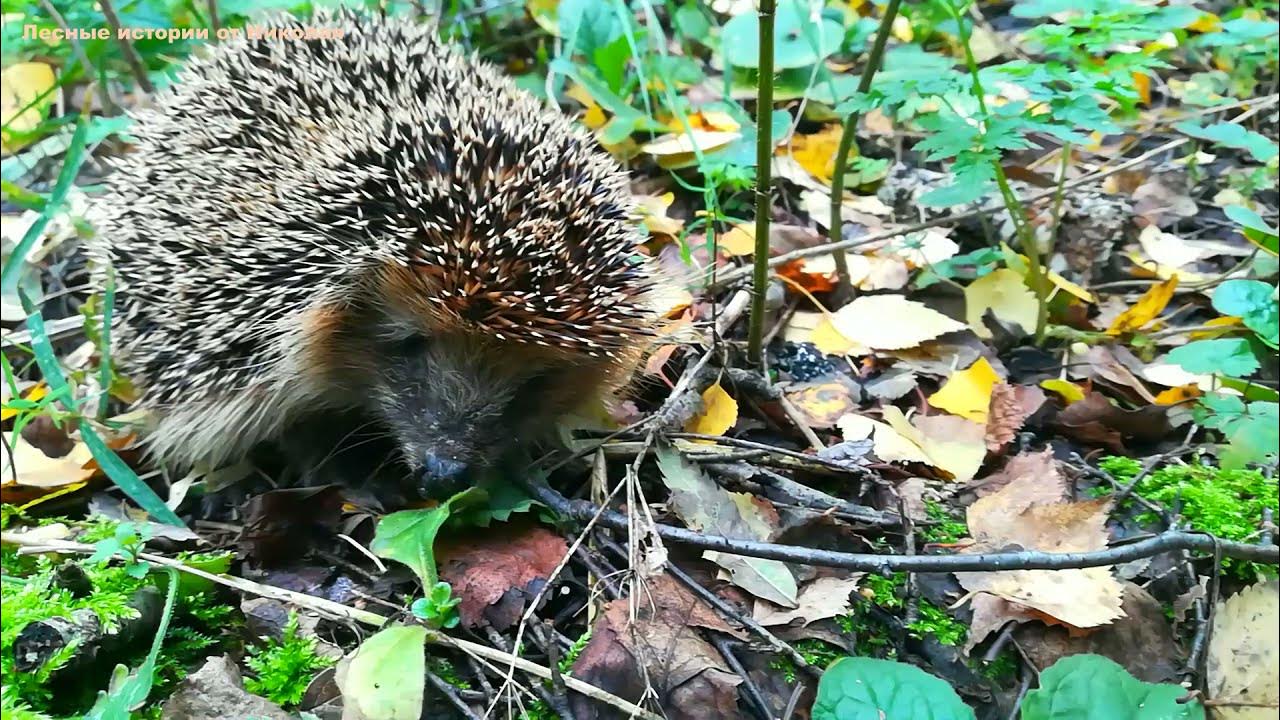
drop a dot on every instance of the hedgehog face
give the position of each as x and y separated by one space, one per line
458 404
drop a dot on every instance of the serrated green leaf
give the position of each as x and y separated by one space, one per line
863 688
1092 687
127 691
384 679
1222 356
1232 135
1254 302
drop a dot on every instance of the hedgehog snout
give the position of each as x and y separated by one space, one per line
440 474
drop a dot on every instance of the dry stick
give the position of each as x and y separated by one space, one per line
78 49
214 22
126 48
778 260
836 226
334 610
977 562
764 166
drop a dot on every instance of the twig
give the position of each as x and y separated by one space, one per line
332 609
1026 560
764 165
725 646
126 48
847 140
78 49
451 694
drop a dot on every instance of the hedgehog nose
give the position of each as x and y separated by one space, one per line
437 469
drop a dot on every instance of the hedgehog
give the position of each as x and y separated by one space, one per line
367 230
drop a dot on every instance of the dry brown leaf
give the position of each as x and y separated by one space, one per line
1244 659
823 598
1029 513
821 404
485 569
1011 405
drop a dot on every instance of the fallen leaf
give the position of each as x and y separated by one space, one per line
823 598
823 403
953 444
890 445
706 507
30 467
1168 249
816 152
684 143
890 322
1243 658
21 106
496 571
872 272
1151 304
1066 389
653 211
967 392
719 412
659 650
739 241
1030 512
1006 295
1011 405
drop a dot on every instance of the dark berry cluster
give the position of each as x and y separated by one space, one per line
802 361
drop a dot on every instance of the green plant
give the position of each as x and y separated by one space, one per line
283 668
439 608
1226 503
859 687
1092 686
945 528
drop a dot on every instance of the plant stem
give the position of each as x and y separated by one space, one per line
764 166
1026 237
874 60
126 48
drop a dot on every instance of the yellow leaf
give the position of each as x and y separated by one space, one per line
902 29
20 86
1069 391
685 143
740 241
891 322
719 412
890 445
816 153
1225 322
1206 23
951 444
1006 295
653 209
1178 395
33 395
1151 304
828 339
1067 286
1142 82
967 393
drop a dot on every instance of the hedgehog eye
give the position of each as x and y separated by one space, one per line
411 345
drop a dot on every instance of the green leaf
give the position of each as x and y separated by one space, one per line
1092 687
1256 230
70 168
797 40
1232 135
127 691
384 678
1255 303
862 688
408 537
1252 431
1224 356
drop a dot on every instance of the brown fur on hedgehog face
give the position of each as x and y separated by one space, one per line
456 399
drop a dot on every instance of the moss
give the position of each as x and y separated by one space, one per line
945 528
285 667
933 621
815 652
1226 503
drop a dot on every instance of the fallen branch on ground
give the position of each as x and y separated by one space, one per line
977 562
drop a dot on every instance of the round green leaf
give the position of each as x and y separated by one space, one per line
384 678
1232 357
1091 687
860 688
1255 228
1254 302
798 41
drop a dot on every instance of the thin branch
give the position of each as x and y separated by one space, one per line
978 562
126 48
332 609
738 274
847 139
764 165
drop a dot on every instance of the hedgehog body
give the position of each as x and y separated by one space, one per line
370 222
